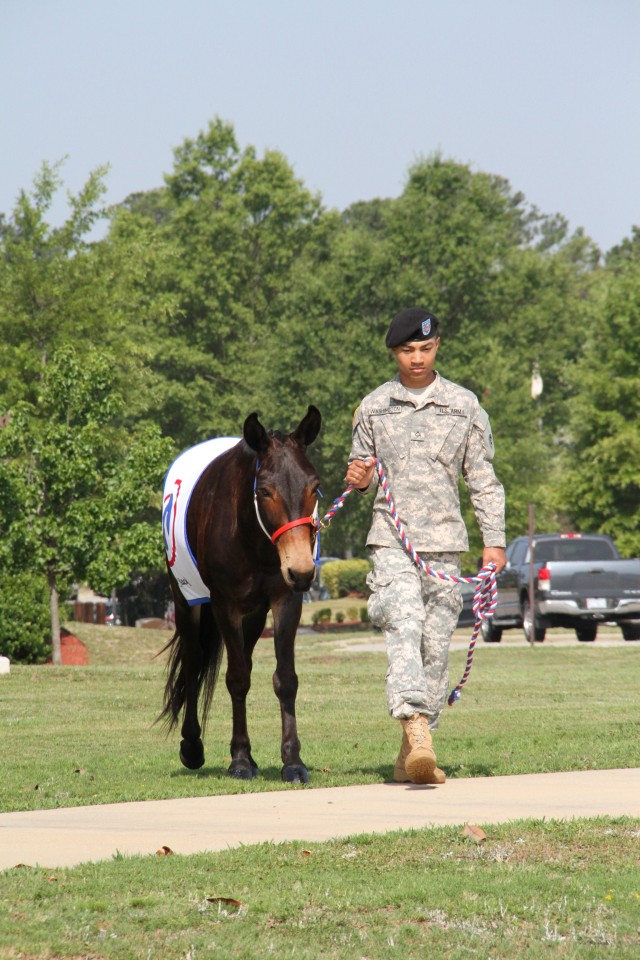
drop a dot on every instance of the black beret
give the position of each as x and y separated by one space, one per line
412 324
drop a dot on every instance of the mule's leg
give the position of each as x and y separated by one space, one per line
188 626
286 616
241 635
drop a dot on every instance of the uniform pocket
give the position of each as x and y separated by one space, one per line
390 438
396 594
379 583
376 579
441 439
453 442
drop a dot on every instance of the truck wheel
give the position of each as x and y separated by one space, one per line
630 631
538 630
490 633
586 632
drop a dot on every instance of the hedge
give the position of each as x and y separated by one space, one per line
25 622
342 577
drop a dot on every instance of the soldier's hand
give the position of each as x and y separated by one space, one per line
494 555
360 473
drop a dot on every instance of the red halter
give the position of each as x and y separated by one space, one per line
294 523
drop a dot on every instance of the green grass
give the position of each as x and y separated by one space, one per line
78 735
533 890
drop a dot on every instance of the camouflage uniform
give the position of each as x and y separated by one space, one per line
424 445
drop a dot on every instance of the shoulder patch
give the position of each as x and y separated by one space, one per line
487 435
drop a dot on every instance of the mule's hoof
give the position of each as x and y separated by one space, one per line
240 770
295 773
192 754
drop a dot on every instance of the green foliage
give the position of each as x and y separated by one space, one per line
51 287
25 628
342 577
230 288
321 616
230 229
78 479
77 490
600 485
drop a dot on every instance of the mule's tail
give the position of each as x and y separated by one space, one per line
198 652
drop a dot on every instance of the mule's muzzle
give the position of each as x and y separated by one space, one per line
300 581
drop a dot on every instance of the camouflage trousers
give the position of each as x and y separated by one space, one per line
417 614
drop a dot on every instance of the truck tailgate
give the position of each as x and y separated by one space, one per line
611 579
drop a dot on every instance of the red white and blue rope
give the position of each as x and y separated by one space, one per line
486 594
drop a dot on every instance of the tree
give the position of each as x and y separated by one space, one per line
58 288
76 491
234 225
538 308
600 485
49 282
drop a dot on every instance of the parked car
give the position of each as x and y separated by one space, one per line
579 581
317 590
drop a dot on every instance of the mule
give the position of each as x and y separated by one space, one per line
251 527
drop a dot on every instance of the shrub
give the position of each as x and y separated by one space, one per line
342 577
339 617
364 614
321 616
352 613
25 623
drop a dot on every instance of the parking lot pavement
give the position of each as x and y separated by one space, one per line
511 639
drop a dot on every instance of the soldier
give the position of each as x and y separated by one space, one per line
426 431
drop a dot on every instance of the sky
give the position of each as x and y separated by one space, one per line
544 93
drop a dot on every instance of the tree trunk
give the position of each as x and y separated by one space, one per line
56 654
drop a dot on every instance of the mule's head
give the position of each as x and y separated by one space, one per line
286 491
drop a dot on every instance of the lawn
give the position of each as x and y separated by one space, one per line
76 735
533 890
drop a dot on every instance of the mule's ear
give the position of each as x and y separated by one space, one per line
308 428
255 434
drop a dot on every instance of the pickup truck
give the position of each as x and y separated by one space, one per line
579 581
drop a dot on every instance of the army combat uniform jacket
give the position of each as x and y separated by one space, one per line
424 445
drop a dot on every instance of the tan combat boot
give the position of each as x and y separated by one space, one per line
416 761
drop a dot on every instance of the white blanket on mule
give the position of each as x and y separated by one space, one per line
181 478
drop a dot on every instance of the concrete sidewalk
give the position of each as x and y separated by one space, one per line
65 837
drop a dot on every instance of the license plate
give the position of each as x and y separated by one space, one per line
596 603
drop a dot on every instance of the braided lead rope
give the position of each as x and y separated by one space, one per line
485 598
